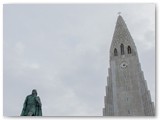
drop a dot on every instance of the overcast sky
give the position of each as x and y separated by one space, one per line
63 52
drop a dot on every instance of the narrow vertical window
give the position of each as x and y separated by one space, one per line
129 50
115 52
122 49
128 112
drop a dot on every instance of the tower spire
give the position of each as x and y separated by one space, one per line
121 35
119 13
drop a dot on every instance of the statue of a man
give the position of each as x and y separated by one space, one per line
32 105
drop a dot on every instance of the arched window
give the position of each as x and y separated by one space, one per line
115 52
129 112
122 49
129 50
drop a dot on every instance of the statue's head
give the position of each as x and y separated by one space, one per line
34 92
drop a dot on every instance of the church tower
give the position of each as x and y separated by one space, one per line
126 91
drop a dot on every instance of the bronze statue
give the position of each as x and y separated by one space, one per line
32 105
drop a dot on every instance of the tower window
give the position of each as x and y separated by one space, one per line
122 49
129 50
128 112
115 52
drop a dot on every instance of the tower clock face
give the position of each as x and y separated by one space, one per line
123 65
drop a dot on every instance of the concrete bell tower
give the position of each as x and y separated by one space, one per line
126 91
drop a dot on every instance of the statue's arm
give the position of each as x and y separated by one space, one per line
38 100
39 106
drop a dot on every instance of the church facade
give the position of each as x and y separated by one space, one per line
126 91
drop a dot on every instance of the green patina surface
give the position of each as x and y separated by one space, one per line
32 105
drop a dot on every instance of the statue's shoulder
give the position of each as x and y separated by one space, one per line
28 96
